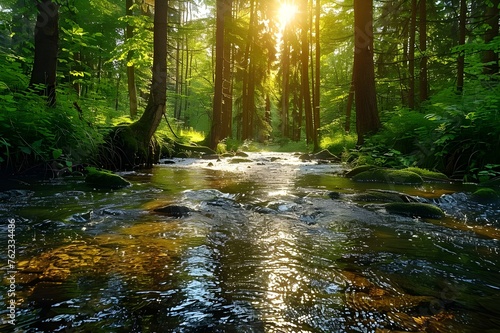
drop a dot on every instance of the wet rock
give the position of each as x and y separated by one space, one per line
431 176
325 155
389 176
241 154
105 179
422 210
168 162
382 196
210 157
485 195
239 160
362 168
174 211
334 195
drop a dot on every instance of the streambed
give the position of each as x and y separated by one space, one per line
264 248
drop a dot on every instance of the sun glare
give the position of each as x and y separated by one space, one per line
287 12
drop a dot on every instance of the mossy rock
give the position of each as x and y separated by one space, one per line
495 182
359 169
389 176
415 209
174 211
428 175
485 195
378 196
104 179
325 155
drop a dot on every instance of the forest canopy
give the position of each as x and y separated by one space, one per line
392 83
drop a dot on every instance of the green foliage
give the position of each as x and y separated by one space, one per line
335 139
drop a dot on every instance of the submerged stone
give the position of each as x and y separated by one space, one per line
415 209
389 176
485 195
379 196
174 211
105 179
325 155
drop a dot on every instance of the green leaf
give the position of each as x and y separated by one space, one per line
56 153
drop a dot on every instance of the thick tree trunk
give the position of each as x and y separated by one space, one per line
285 86
461 41
227 85
132 89
144 128
43 76
490 57
424 85
367 118
305 83
317 73
411 55
217 126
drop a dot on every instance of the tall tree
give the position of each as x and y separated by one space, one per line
217 126
46 48
144 128
367 118
305 82
132 89
423 49
461 41
490 56
317 72
411 55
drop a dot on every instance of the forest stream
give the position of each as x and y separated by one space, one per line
266 243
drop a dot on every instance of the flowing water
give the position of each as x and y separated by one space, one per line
264 248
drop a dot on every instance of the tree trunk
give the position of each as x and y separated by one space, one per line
411 55
132 89
490 57
217 126
367 118
144 128
227 85
43 76
285 86
424 90
248 81
305 84
348 111
461 41
317 73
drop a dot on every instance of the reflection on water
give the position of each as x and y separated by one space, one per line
264 249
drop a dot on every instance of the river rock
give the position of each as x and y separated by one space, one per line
105 179
174 211
362 168
431 176
485 195
325 155
422 210
390 176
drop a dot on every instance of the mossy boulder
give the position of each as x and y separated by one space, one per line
485 195
174 211
379 196
104 179
428 175
495 182
359 169
325 155
415 209
390 176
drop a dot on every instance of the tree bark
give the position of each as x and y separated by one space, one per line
411 55
367 118
424 84
132 89
144 128
46 48
490 57
305 84
317 98
217 126
461 41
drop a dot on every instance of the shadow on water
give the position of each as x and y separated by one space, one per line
263 249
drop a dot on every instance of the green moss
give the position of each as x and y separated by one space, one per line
389 176
104 179
415 209
429 175
377 196
485 195
359 169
